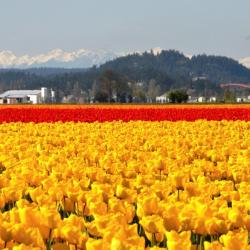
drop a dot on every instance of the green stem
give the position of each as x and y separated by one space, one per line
201 242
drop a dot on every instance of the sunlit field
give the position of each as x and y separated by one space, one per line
125 177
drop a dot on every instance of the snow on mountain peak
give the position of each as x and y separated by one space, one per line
156 51
56 58
245 61
81 58
189 56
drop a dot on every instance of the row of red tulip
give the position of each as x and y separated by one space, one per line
104 113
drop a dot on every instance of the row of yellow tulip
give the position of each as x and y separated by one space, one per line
116 185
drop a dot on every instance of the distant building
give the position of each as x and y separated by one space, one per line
201 99
69 99
192 99
198 78
243 99
139 84
162 99
240 99
20 96
53 96
27 96
212 99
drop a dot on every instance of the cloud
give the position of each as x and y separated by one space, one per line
247 38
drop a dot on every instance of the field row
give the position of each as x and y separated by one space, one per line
135 185
123 113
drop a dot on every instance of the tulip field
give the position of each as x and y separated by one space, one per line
125 177
125 113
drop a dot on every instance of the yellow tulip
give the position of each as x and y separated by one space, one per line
50 217
215 226
121 192
93 244
235 240
99 208
155 237
147 206
93 230
25 247
152 224
171 218
75 221
69 205
14 216
29 216
212 245
60 246
247 221
27 236
35 193
70 233
2 202
179 180
236 219
5 234
177 241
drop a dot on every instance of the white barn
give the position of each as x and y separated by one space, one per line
20 96
27 96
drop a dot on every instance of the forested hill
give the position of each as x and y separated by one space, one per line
175 64
168 70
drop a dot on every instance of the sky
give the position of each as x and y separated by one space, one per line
216 27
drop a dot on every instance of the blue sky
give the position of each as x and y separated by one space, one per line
219 27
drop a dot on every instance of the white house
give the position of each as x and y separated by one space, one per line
162 99
26 96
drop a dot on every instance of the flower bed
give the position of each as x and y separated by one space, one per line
124 185
123 113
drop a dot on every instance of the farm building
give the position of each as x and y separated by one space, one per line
201 99
26 96
162 99
212 99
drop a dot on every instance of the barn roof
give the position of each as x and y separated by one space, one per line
19 93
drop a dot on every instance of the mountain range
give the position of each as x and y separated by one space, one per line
57 58
81 58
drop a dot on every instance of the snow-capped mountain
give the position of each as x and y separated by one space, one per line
81 58
245 61
57 58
